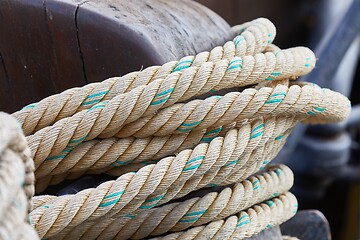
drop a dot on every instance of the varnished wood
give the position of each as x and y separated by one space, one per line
47 46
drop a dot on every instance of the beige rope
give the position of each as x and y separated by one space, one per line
102 155
170 174
16 181
255 36
193 212
128 107
111 157
244 224
281 130
97 154
214 112
147 129
305 102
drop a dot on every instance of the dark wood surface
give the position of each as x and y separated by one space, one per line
48 46
291 18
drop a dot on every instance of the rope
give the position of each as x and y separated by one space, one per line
16 181
244 224
237 106
246 130
128 107
201 114
254 37
193 212
169 176
151 131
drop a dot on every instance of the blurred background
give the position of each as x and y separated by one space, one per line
325 159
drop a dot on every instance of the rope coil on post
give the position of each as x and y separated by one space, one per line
147 129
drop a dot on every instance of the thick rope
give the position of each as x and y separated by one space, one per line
306 101
168 175
254 37
140 102
193 212
16 181
281 132
244 224
147 129
98 154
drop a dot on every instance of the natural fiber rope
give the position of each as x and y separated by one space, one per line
280 134
244 224
214 112
146 177
132 126
236 106
254 37
16 181
193 212
118 152
140 102
169 174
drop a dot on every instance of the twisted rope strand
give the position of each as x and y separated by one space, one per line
130 190
16 181
193 212
236 165
116 153
128 107
14 140
43 183
119 154
244 224
318 105
258 159
146 128
100 157
257 35
267 138
207 179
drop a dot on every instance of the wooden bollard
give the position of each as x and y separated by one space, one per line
48 46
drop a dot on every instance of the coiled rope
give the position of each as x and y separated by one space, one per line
245 223
148 129
16 181
193 212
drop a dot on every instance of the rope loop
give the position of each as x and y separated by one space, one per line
187 143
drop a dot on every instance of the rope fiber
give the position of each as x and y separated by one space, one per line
187 161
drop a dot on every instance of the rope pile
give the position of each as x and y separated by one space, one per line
153 131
